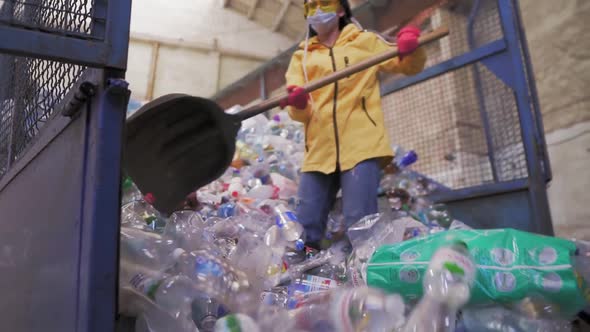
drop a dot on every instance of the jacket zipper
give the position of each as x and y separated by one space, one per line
367 112
334 113
306 130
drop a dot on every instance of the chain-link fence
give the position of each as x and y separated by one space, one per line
70 17
463 124
30 89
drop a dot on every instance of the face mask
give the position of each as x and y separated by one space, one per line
323 22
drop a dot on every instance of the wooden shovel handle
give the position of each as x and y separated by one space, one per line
326 80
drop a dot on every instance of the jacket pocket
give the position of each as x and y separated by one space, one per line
364 105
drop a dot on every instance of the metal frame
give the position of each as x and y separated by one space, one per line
509 60
91 50
95 122
99 236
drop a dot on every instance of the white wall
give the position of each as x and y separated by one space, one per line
209 43
569 191
560 52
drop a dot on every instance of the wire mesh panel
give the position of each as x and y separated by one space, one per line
464 124
71 17
444 121
30 90
472 23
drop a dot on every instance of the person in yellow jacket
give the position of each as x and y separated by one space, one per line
346 143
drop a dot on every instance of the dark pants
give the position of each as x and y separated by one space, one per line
317 192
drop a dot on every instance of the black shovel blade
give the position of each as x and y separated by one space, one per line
177 144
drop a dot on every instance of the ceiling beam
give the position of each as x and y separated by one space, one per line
279 19
252 9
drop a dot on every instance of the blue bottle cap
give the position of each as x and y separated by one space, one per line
408 159
299 245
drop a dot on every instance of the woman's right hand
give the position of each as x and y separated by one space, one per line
297 98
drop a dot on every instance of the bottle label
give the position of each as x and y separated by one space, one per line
286 217
145 285
454 262
306 285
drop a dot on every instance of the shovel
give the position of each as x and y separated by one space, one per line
178 143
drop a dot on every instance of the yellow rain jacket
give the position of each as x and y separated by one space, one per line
344 122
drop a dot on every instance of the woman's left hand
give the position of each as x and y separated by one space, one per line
407 40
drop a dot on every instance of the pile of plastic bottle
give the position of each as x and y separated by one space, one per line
233 258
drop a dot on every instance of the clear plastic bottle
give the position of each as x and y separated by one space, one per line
291 231
447 287
436 214
171 295
130 192
327 264
186 229
145 249
236 322
140 214
206 311
275 297
214 276
501 319
260 262
351 309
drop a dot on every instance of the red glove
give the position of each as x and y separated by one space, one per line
407 40
297 98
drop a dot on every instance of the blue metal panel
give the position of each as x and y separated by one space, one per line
505 210
51 46
479 191
60 222
482 52
539 204
533 94
39 204
119 15
501 66
99 237
77 48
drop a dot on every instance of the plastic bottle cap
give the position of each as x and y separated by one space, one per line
150 198
299 245
127 183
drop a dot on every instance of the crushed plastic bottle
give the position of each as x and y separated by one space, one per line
500 319
206 311
214 276
351 309
447 288
287 231
142 215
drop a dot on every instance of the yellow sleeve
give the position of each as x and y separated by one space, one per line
294 76
411 64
